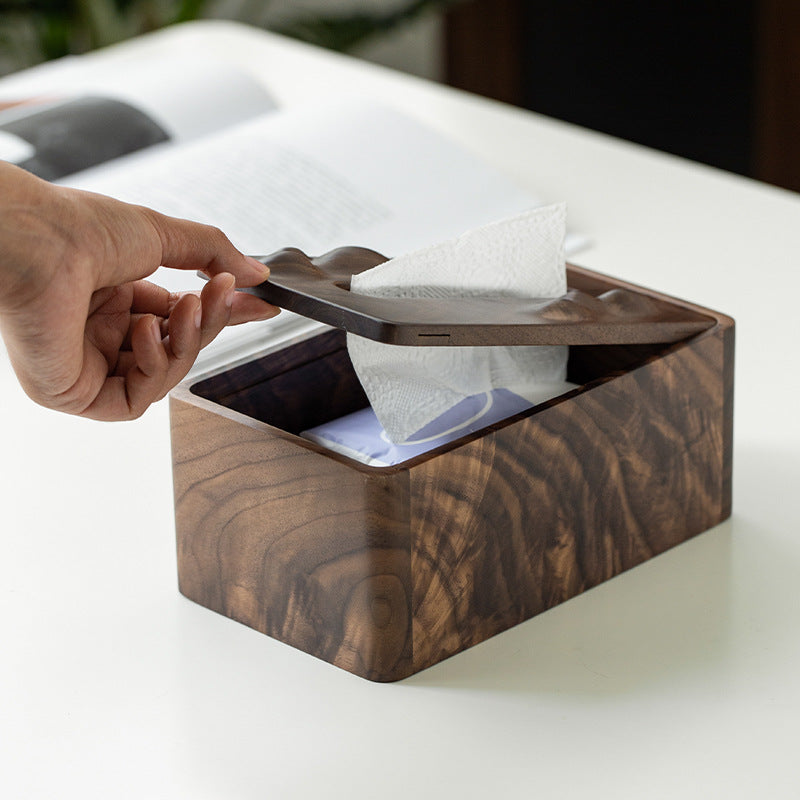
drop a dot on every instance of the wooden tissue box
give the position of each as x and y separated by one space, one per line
384 571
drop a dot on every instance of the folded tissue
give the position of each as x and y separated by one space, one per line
422 397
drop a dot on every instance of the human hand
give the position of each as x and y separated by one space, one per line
85 334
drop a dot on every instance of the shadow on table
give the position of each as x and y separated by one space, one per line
695 609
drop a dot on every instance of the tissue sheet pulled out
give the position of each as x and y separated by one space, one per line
409 387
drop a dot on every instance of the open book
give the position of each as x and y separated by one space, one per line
206 142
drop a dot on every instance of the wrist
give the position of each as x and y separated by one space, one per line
32 247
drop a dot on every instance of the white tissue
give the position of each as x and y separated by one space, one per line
408 387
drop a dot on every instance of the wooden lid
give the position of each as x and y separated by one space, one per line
319 288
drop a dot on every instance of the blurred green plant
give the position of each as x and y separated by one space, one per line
343 32
39 30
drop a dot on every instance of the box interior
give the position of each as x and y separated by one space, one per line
313 382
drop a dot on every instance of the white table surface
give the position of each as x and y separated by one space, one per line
678 679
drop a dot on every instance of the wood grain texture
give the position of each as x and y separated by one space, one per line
291 391
568 498
385 571
484 48
319 288
292 543
777 120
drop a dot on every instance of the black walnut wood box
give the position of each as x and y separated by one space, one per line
384 571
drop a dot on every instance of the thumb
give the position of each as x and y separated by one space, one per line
194 246
138 240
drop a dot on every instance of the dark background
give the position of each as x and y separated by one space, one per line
717 82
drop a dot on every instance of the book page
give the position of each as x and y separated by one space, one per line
318 177
188 95
101 115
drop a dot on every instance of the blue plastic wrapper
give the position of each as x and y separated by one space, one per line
361 437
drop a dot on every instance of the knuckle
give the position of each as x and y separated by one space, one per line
217 233
74 400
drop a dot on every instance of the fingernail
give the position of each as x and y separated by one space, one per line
256 264
198 317
155 327
229 296
268 313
